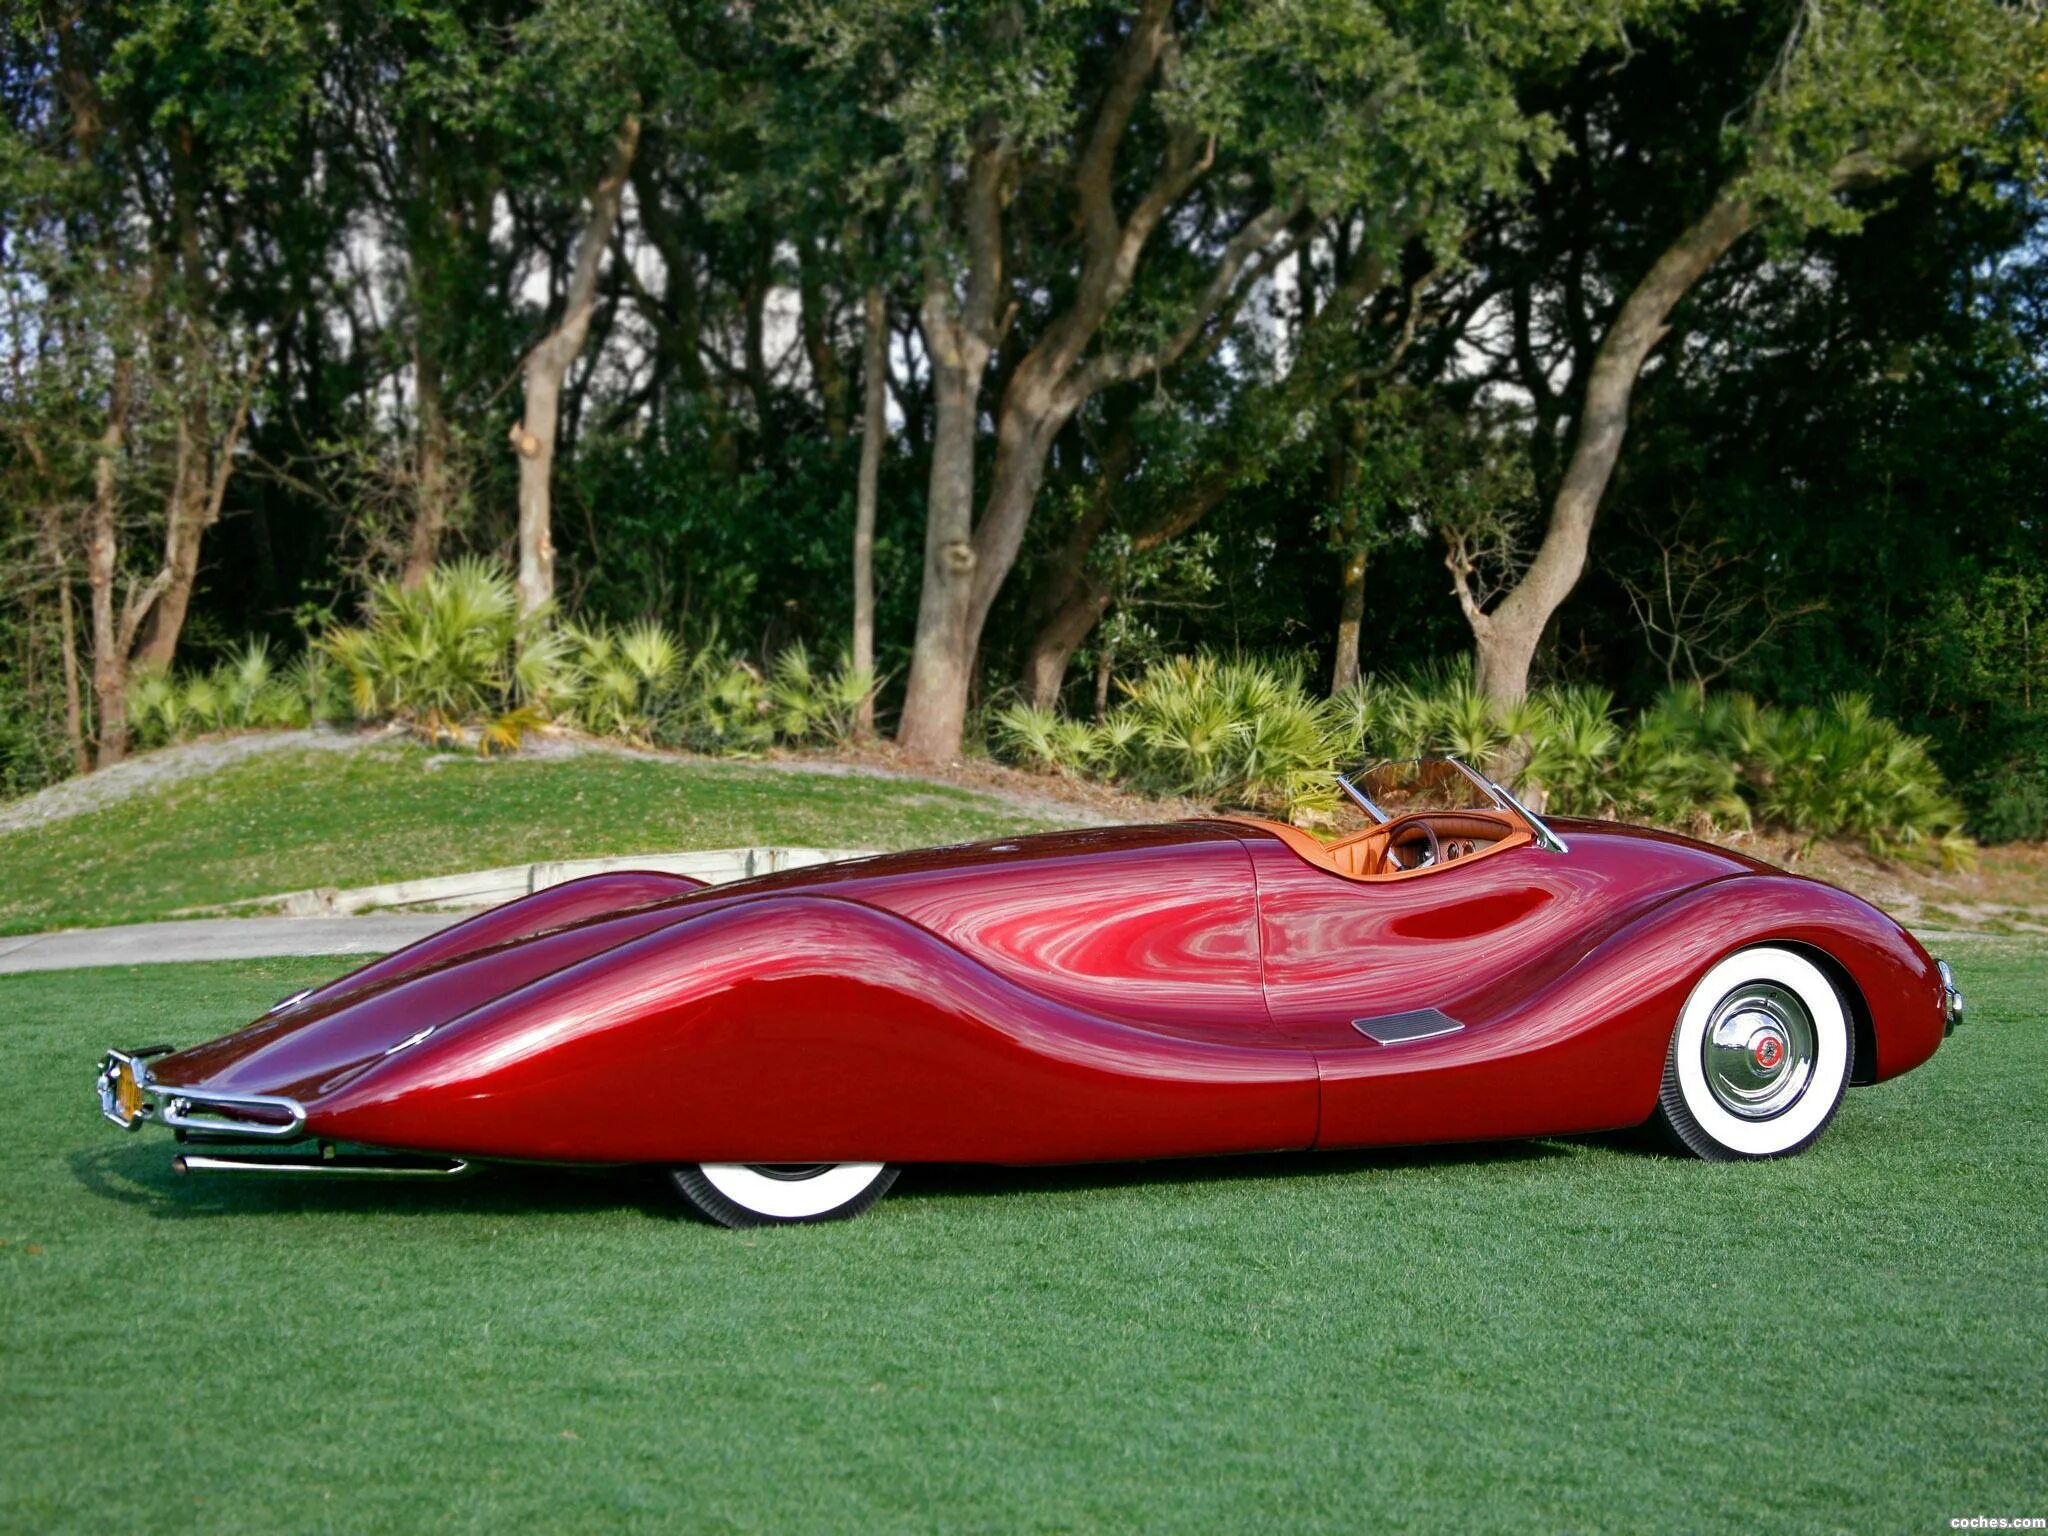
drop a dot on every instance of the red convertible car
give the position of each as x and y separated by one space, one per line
1456 969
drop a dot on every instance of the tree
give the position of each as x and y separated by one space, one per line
1842 99
134 158
1189 151
586 79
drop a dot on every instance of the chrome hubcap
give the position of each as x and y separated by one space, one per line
1759 1049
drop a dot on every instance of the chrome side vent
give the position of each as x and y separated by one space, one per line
1407 1028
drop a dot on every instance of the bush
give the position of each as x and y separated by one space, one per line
1240 732
451 651
245 692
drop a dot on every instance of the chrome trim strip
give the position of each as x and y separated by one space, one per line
327 1166
1358 795
180 1104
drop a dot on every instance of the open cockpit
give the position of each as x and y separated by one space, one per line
1411 817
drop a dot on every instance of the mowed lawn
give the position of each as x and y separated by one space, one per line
291 820
1574 1335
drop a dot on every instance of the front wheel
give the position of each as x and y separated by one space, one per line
1760 1058
771 1194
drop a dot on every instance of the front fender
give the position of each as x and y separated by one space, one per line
1582 1048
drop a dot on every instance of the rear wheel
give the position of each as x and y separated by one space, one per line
771 1194
1759 1060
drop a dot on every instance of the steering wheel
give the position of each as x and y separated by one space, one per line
1431 854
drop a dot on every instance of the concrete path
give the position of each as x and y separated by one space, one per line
227 938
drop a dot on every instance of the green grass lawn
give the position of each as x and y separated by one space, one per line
290 820
1545 1337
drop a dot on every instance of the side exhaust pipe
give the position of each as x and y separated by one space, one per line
329 1164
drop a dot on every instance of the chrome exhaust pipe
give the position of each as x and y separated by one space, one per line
328 1165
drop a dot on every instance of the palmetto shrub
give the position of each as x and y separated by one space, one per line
1238 731
1843 772
244 692
608 681
1041 738
448 652
1247 733
813 704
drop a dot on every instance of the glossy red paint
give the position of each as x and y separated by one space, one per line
1117 993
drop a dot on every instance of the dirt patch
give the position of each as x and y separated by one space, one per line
2007 892
1040 796
172 765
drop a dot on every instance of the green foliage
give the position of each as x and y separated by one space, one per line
1239 732
443 653
808 704
1045 739
245 692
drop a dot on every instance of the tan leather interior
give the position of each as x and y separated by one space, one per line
1363 855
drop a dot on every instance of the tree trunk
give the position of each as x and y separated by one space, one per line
814 320
941 656
1078 600
1052 648
959 335
546 367
1347 441
102 560
432 489
67 641
74 720
1505 639
199 488
185 525
874 423
1350 615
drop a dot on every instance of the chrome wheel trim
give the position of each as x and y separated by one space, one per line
1758 1050
791 1191
1796 1122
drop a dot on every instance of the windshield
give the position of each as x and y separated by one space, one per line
1390 790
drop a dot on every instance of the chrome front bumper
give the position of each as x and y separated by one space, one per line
1951 999
129 1096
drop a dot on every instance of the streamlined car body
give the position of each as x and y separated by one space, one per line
1457 970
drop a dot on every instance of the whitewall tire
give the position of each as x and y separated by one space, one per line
768 1194
1759 1060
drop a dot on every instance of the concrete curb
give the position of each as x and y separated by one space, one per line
221 938
489 887
332 922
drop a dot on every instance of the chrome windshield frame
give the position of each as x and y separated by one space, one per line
1545 837
1344 783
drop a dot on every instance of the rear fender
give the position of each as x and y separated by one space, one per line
813 1029
573 901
